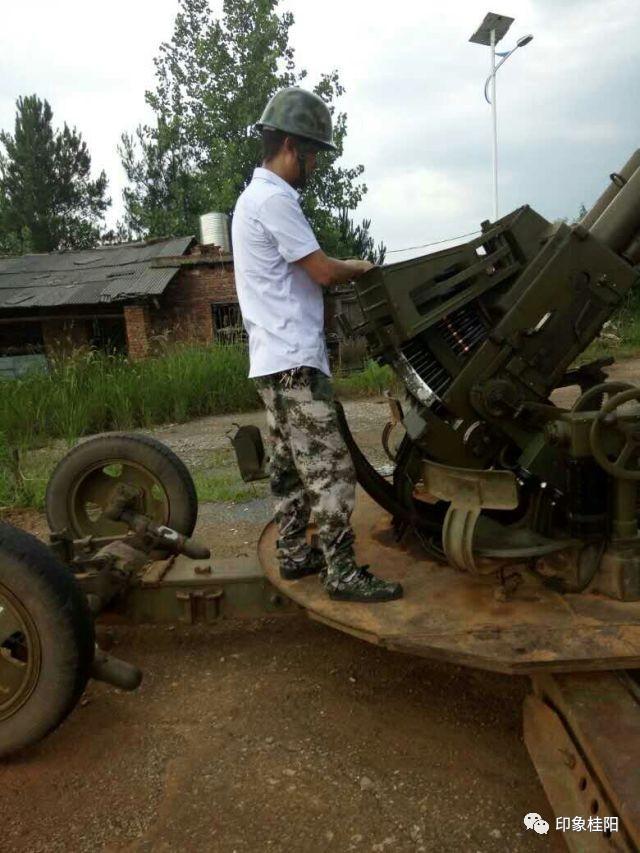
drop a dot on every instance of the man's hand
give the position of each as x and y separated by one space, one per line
359 267
327 271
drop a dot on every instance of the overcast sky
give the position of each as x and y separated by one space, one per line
567 102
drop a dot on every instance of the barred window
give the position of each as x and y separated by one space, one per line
227 323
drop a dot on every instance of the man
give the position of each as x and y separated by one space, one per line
280 271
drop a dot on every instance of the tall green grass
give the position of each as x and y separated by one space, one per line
372 381
95 392
24 475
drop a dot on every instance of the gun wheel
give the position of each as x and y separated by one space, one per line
83 483
46 640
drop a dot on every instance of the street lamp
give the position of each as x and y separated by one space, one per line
493 28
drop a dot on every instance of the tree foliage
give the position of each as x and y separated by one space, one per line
213 79
358 239
47 198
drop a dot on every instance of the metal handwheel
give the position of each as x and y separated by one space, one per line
631 431
597 392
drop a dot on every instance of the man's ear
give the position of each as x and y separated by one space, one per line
289 145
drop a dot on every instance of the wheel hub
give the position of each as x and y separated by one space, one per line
93 493
20 654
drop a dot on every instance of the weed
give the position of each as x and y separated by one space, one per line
370 382
227 486
95 392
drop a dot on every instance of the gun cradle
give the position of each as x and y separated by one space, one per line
490 472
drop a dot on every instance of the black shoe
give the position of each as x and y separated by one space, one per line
360 585
293 570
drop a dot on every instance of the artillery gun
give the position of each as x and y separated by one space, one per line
511 521
492 472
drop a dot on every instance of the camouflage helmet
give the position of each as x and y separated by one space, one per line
300 113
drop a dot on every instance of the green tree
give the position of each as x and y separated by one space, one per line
342 238
11 242
47 198
213 79
358 239
116 235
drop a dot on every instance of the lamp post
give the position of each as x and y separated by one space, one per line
492 29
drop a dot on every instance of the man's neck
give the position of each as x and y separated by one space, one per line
277 168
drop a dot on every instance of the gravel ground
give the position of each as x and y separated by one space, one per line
279 734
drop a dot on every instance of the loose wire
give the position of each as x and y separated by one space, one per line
434 243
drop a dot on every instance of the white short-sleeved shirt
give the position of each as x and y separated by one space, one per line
282 307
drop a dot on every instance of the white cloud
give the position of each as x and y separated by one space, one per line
417 206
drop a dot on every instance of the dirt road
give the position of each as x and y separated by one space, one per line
279 735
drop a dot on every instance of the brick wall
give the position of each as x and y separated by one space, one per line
184 312
138 327
220 283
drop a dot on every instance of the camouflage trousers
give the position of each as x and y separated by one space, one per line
310 467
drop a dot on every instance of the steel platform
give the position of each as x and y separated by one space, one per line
456 617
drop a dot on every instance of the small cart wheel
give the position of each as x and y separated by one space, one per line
46 640
83 483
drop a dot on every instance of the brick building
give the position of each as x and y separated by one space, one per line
131 299
123 298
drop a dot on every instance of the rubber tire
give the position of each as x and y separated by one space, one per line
146 451
59 610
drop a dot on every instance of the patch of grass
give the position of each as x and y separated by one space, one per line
95 392
227 487
24 476
621 339
219 480
370 382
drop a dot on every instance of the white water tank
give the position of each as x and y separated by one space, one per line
214 230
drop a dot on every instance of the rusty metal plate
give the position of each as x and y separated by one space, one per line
456 617
582 731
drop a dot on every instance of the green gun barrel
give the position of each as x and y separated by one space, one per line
618 180
618 225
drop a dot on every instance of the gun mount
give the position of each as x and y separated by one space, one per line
491 472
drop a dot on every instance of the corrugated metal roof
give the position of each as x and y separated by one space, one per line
150 282
88 277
